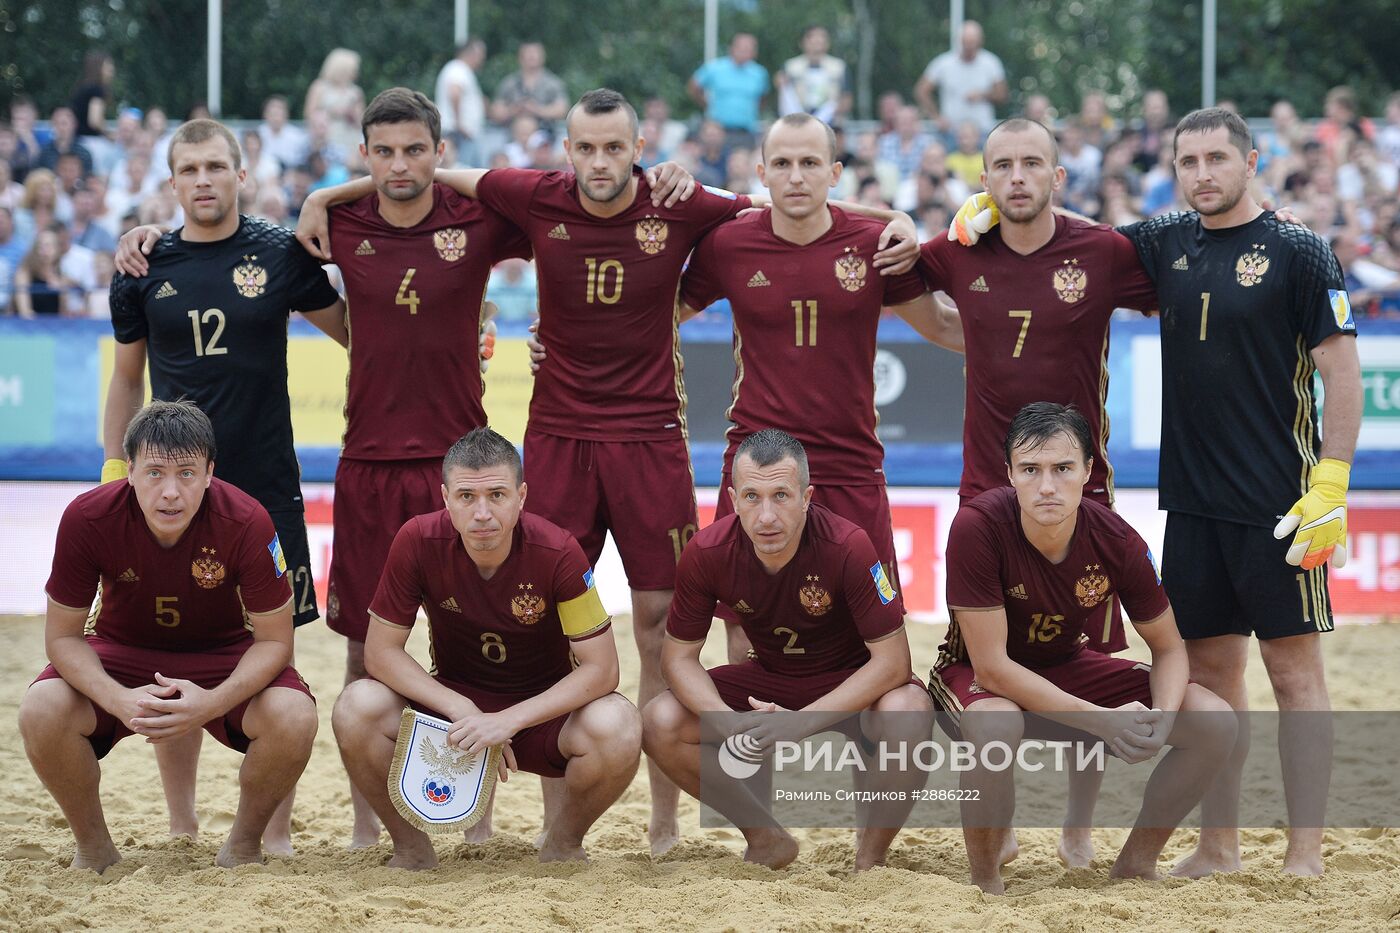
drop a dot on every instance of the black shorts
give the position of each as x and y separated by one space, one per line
291 532
1224 578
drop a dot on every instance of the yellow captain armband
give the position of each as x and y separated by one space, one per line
113 470
584 614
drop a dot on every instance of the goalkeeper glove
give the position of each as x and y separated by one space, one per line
113 470
486 345
1320 518
977 215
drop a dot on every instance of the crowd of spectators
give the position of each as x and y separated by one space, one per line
95 167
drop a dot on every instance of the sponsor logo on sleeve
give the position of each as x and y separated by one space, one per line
882 583
1341 308
588 578
279 560
728 195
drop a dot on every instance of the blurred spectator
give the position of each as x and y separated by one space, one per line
271 205
40 287
1155 126
1367 282
533 90
86 232
512 287
91 97
868 194
11 255
970 82
335 96
887 109
75 262
731 89
966 161
282 140
867 163
1082 163
320 143
131 184
712 161
125 132
41 208
1100 129
1338 114
662 134
157 127
815 81
742 172
256 162
460 102
1364 176
1388 137
11 192
905 145
297 184
1117 199
1037 108
69 172
96 305
64 127
933 185
1159 193
525 137
1280 144
326 172
29 142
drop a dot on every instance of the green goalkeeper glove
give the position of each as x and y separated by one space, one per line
1320 518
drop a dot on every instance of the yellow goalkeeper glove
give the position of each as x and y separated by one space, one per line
486 342
1320 518
113 470
977 215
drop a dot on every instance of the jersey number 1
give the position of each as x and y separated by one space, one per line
211 348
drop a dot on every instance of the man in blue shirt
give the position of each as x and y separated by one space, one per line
732 88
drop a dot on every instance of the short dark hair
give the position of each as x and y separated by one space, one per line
482 448
1020 125
1037 422
402 105
201 131
605 100
771 446
173 429
1212 118
798 120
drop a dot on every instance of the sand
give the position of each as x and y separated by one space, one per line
165 884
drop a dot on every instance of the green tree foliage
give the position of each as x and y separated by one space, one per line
1266 48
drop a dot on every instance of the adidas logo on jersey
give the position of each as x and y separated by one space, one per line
364 249
450 604
128 576
980 285
1180 264
1017 592
559 233
742 606
166 291
759 280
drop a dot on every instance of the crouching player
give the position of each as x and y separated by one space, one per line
827 631
509 596
193 629
1031 568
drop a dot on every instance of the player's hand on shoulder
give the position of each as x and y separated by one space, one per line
898 247
313 227
977 215
133 248
537 351
670 183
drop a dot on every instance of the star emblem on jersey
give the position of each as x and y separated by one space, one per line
816 601
207 571
527 608
166 290
850 270
979 285
451 243
450 604
1250 268
250 279
759 280
1091 588
1070 281
364 249
651 234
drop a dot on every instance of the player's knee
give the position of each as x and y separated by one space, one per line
612 725
662 720
1212 723
906 698
984 726
287 716
48 708
359 704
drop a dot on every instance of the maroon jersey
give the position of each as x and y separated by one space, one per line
1036 330
811 617
805 319
509 634
188 597
1051 609
414 295
607 292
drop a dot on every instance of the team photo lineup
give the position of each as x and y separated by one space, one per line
180 584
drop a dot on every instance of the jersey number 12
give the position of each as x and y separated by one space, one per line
212 348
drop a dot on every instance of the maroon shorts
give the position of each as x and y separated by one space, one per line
373 499
868 506
1098 678
137 667
536 748
737 682
641 491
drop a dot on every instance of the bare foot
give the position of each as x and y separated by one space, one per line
478 832
366 832
232 855
414 857
865 862
278 845
1201 863
1129 868
1076 848
187 825
98 860
775 848
561 850
664 837
992 884
1009 849
1307 864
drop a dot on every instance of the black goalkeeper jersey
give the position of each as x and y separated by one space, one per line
1241 310
214 318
